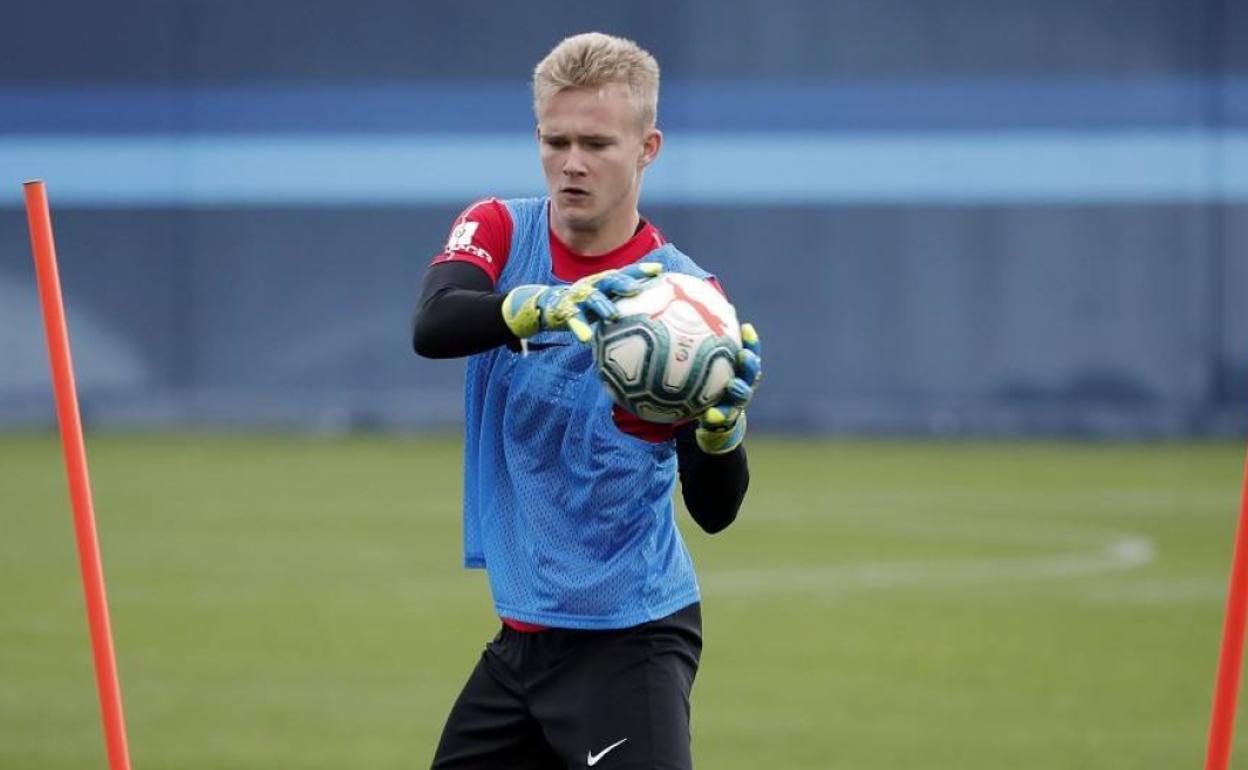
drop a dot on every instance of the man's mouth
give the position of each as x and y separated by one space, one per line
574 192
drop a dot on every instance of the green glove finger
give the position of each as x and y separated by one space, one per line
749 366
601 307
719 415
750 340
621 284
738 394
640 270
579 326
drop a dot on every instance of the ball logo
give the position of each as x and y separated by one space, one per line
713 321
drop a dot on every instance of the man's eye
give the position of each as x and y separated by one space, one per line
558 144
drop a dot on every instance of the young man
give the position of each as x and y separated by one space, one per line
567 499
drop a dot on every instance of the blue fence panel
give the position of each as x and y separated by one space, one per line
956 217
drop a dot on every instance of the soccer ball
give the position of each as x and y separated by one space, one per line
672 351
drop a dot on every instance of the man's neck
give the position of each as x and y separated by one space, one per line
602 240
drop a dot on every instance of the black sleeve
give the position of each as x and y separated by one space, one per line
459 313
712 486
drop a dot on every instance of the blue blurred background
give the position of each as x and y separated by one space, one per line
953 218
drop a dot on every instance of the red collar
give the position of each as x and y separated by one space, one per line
567 265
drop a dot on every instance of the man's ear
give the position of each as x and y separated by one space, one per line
650 146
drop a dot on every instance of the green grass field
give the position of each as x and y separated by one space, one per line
288 602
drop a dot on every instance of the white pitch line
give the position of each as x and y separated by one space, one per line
1122 553
1158 592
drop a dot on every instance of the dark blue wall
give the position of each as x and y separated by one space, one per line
908 212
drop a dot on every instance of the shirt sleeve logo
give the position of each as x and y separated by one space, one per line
461 236
461 241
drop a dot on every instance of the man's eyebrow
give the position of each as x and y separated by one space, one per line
578 137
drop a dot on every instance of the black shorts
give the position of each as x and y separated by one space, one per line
561 699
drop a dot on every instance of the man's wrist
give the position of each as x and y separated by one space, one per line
719 441
521 311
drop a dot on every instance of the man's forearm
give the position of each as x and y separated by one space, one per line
458 314
712 486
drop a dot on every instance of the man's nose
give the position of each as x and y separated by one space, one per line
574 163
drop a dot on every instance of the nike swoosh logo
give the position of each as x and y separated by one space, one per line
593 758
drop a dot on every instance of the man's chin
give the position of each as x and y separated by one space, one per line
582 224
578 221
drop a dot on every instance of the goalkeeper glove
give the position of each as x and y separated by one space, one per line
534 308
721 428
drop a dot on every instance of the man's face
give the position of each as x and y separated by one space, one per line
593 150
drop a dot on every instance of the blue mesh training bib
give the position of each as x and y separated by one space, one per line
571 518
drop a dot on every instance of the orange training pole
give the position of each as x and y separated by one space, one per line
1226 690
76 466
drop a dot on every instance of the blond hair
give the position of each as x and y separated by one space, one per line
592 60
